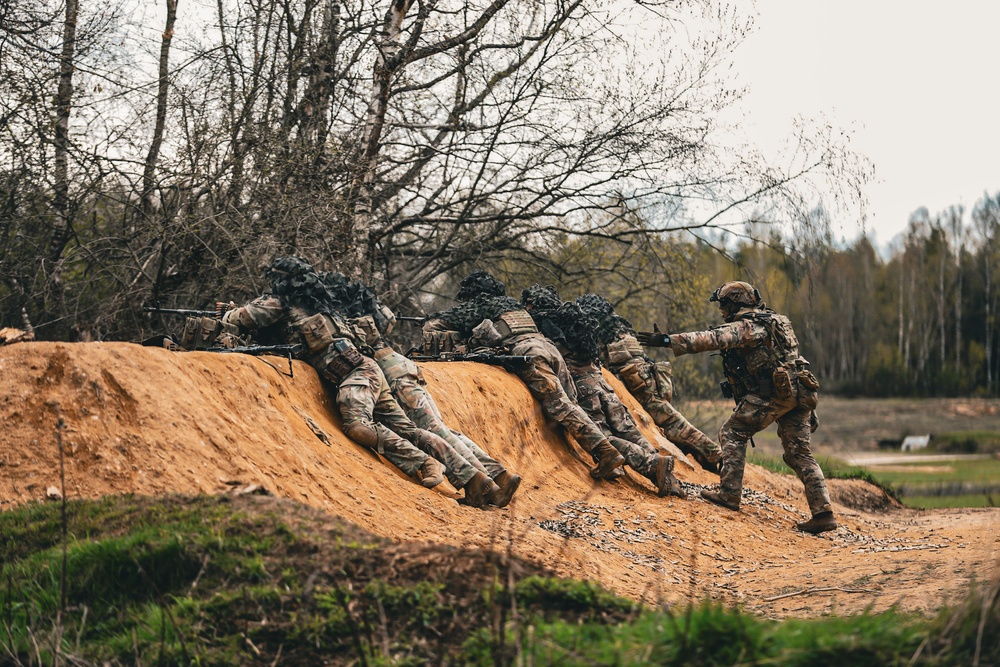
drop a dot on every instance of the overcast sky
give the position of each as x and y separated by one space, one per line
918 80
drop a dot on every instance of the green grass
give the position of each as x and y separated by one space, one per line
219 581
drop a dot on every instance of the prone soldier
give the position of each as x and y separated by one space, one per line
574 334
649 382
463 458
770 382
488 318
300 309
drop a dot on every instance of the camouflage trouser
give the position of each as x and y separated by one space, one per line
638 376
754 414
599 401
549 381
372 417
462 457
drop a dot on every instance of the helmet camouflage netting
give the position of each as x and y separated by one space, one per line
610 326
296 283
480 283
541 298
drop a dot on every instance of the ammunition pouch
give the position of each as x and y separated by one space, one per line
340 360
437 343
781 380
621 351
726 388
515 323
634 379
368 328
200 333
229 337
808 380
316 332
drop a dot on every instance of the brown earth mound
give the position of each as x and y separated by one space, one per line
149 421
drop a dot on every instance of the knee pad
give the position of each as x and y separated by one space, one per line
362 433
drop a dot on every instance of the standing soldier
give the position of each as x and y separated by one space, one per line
463 458
301 309
649 382
770 382
488 318
574 334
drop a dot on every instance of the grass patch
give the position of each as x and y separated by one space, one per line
219 581
833 468
966 442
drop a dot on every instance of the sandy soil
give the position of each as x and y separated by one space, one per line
148 421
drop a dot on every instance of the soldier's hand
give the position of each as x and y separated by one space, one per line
653 338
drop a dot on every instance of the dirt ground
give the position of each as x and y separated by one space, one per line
148 421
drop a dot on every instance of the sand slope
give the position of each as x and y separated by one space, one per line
148 421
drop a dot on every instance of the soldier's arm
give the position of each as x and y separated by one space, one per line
436 324
260 313
744 333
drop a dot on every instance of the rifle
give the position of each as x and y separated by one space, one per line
186 312
406 318
510 362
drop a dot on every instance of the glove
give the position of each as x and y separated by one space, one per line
653 338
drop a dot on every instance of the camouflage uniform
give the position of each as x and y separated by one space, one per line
407 384
650 382
547 378
368 411
771 383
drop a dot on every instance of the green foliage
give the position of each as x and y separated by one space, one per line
569 595
966 442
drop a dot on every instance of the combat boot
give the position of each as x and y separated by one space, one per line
431 473
663 477
507 483
820 523
608 458
479 490
722 499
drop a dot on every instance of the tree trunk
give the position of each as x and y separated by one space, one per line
62 222
149 169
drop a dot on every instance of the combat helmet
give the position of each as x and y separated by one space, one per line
477 283
537 297
737 292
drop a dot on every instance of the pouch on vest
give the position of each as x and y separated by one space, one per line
781 379
316 332
438 342
619 352
485 335
367 326
808 380
341 359
632 377
200 332
515 323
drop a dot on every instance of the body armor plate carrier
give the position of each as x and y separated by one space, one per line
515 323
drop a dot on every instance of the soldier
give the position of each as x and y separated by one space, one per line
574 334
463 456
301 309
488 318
771 382
648 381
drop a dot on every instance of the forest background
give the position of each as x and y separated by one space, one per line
164 153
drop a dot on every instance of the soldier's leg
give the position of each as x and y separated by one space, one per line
640 459
678 430
419 407
793 429
545 386
753 414
356 403
620 420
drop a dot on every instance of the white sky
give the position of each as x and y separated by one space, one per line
916 79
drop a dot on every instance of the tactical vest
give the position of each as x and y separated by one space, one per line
623 350
767 369
515 323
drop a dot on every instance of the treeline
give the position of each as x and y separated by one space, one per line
921 321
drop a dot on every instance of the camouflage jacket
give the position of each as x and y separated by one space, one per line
754 344
273 322
465 316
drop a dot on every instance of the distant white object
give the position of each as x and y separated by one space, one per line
913 442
